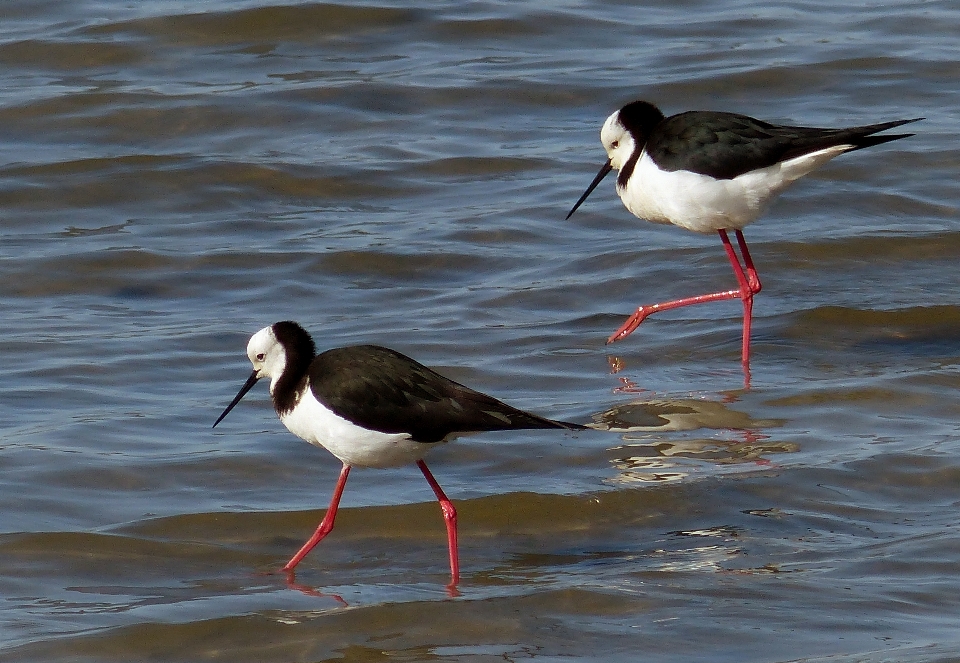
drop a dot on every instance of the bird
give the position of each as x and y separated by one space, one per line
371 406
710 171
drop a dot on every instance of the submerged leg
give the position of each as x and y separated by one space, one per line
450 518
326 525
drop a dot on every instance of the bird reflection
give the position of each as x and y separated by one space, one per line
676 414
291 578
647 456
617 364
311 591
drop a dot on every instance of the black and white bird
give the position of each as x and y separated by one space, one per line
713 172
371 407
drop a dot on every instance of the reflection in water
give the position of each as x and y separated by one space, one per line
678 556
175 176
704 559
310 591
646 456
676 414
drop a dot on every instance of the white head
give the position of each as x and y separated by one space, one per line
617 141
267 355
273 350
624 133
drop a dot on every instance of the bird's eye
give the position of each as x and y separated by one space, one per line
260 357
615 144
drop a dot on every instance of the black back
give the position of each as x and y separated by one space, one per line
725 145
383 390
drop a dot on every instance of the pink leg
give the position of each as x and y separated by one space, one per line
752 278
749 285
326 525
450 518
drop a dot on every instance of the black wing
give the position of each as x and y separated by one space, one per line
725 145
381 389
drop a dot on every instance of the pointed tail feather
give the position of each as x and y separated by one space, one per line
864 136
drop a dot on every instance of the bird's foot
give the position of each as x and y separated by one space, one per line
452 590
631 324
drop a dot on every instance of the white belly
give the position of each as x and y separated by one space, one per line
353 445
702 204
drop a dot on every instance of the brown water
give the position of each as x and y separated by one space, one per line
398 173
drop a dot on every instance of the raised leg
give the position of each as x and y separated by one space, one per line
326 525
450 518
642 312
747 280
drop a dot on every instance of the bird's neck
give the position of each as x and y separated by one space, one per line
286 389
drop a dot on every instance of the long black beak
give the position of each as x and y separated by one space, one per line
247 386
607 167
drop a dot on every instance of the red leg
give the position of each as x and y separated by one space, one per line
749 284
746 294
752 278
641 313
450 518
326 525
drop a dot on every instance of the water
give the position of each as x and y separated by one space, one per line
176 176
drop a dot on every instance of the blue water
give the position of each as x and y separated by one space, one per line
176 176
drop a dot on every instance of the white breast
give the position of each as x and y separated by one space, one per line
353 445
703 204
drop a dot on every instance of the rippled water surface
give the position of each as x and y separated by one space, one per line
174 176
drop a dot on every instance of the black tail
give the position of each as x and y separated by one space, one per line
804 140
861 137
520 419
569 425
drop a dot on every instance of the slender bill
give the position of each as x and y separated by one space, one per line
247 386
607 167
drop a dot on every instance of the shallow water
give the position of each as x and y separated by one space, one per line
172 181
